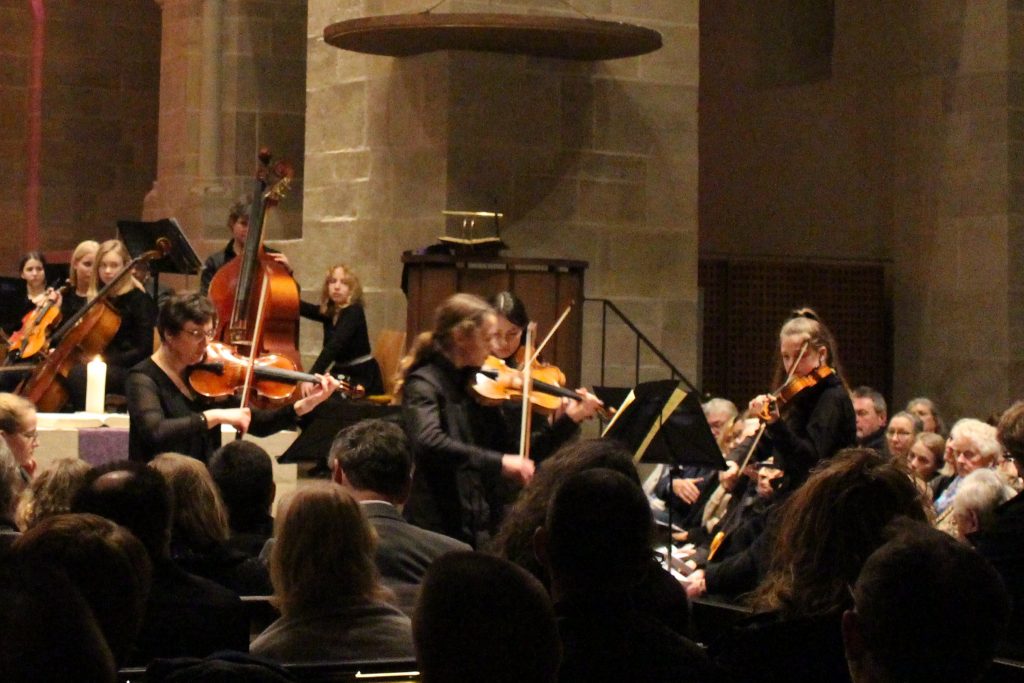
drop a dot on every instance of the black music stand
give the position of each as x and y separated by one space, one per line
662 423
141 236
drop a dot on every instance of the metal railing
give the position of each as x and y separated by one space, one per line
640 337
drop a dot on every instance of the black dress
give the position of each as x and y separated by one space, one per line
165 420
346 346
457 445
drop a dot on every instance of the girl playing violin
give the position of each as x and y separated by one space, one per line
550 434
346 340
32 270
461 448
819 420
133 340
167 415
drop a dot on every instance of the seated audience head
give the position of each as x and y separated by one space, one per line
514 540
926 454
828 528
199 519
107 564
720 414
10 484
980 493
481 618
372 458
323 553
597 535
18 428
928 411
870 409
47 630
974 445
51 491
926 609
135 496
244 474
899 435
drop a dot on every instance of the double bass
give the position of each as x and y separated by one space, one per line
82 336
236 286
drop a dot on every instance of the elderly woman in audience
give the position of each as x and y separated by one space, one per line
926 459
18 428
199 528
899 435
827 529
973 445
326 585
51 491
981 492
926 409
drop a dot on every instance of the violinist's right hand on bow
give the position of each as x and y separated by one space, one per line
764 405
517 468
238 418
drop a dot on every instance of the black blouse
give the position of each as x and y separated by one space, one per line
165 420
134 338
346 346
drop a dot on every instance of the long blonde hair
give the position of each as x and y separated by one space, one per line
355 291
112 246
324 550
200 518
458 314
80 252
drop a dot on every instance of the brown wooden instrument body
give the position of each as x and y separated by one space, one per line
46 386
33 336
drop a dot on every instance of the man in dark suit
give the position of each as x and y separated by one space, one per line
373 461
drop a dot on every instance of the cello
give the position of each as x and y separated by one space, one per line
82 336
236 286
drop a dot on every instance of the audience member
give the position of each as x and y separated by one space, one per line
975 504
926 609
244 474
50 492
826 530
481 618
926 459
870 409
199 528
928 411
186 615
658 594
10 487
326 585
104 561
47 631
18 429
899 435
595 545
372 460
972 445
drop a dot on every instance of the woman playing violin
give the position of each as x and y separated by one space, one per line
346 340
133 340
462 449
32 270
167 415
551 433
817 421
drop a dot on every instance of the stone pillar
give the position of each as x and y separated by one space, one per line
593 161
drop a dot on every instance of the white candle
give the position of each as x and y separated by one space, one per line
96 386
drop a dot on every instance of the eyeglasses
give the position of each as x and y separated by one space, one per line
198 334
31 436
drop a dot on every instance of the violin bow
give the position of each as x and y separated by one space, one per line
554 328
254 349
526 423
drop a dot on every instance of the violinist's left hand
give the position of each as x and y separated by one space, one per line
327 386
583 409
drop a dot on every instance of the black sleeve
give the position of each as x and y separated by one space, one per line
158 431
267 422
343 337
741 572
206 275
311 311
421 413
138 320
827 432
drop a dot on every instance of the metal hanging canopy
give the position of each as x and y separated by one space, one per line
403 35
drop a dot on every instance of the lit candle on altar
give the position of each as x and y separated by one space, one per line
96 385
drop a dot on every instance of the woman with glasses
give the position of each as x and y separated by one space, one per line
167 415
18 428
903 428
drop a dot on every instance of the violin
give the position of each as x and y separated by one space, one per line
788 391
496 383
222 372
34 333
